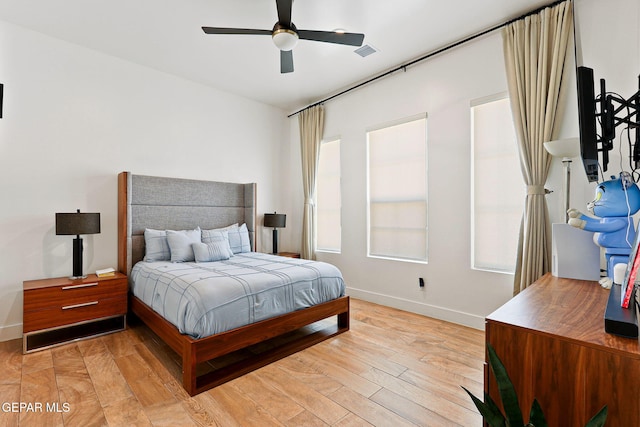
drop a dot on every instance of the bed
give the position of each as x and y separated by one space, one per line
161 203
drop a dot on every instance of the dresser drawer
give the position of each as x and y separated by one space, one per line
73 312
72 293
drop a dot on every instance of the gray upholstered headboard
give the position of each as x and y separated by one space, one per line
177 204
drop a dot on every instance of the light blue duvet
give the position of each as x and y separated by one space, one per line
203 299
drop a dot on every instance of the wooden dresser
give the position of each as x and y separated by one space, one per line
61 309
552 342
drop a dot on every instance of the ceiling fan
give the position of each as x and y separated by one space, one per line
285 35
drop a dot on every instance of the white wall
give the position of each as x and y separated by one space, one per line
443 87
75 118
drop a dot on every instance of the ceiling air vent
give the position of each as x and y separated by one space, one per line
365 50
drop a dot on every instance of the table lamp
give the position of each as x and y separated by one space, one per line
76 224
276 221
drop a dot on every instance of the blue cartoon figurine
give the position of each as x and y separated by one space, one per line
616 201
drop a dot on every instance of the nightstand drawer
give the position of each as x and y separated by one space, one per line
72 312
72 293
289 254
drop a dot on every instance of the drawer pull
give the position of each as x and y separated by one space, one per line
84 285
84 304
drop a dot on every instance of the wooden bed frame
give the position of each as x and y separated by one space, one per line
165 203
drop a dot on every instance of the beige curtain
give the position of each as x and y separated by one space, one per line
535 48
311 123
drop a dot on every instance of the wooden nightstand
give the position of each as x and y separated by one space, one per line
289 254
60 310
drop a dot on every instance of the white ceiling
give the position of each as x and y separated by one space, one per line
166 35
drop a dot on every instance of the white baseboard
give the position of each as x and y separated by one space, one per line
10 332
453 316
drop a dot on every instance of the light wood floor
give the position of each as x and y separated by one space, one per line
392 368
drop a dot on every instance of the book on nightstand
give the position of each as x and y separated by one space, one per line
106 272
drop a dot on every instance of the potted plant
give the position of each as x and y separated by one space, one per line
512 416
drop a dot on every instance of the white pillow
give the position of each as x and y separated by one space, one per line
180 244
156 245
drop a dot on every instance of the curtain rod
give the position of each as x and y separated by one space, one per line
429 55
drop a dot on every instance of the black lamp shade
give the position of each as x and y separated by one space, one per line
77 223
275 220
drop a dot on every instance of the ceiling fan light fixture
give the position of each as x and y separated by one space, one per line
284 39
285 35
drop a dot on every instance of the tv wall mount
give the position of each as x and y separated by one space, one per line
609 110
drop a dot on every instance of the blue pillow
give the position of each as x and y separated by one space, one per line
214 251
217 235
156 245
180 244
239 239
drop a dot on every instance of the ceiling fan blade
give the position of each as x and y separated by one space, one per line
217 30
284 12
351 39
286 61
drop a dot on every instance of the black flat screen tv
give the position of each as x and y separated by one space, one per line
587 123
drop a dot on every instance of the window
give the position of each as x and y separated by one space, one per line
328 197
397 217
497 186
